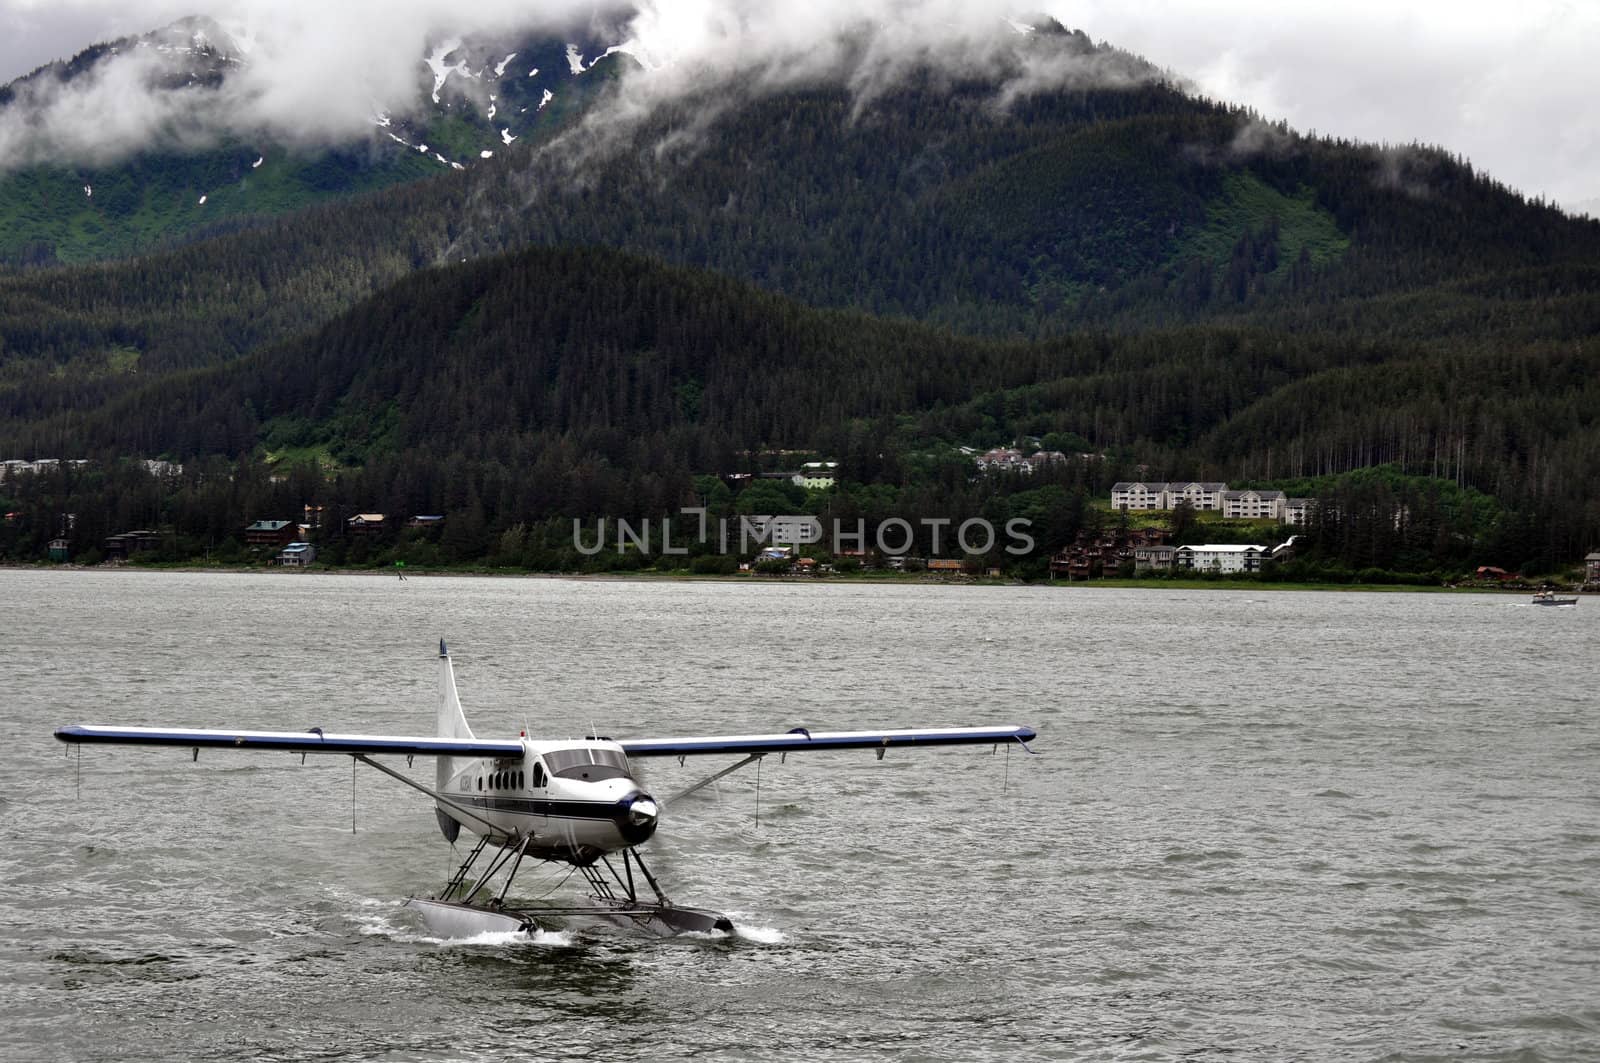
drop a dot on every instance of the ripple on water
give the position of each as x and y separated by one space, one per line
1261 830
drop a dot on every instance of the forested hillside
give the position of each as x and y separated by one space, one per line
565 383
1184 290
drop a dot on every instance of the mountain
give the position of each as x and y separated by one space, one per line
529 389
474 97
1107 198
953 255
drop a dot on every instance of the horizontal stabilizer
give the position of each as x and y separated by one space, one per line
313 741
800 741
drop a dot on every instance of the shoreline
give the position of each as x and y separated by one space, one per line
875 579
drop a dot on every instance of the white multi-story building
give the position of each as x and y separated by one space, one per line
1298 510
793 528
1146 495
1139 495
16 466
817 475
1253 504
1207 496
1213 557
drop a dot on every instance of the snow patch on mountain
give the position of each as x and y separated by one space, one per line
574 59
441 69
243 35
500 67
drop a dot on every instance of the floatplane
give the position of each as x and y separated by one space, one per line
560 801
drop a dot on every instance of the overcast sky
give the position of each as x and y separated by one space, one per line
1513 87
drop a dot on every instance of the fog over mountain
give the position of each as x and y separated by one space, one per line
298 72
313 74
1509 88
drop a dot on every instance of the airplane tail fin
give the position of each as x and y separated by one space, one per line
451 723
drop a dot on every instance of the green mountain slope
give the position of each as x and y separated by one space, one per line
1126 206
1185 289
616 371
496 92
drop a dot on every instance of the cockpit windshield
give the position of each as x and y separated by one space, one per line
587 762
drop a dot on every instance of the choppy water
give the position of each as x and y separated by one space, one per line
1264 827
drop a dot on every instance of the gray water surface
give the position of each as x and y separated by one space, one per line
1262 827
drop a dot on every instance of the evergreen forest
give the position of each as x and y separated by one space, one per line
627 317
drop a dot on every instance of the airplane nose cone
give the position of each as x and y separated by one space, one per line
637 816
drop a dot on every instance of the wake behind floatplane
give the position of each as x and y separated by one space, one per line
563 802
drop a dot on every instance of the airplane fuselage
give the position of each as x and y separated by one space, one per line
572 800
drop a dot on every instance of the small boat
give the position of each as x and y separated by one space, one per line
1549 598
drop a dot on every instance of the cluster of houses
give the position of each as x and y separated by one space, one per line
1010 459
816 475
1214 498
823 474
812 475
1148 550
293 539
14 467
289 541
1091 554
804 566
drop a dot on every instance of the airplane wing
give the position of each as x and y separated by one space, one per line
801 740
318 741
313 741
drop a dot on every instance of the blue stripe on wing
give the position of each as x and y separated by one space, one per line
799 740
313 741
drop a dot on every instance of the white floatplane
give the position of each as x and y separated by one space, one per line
572 802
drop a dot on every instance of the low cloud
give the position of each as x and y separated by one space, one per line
867 46
712 56
1510 88
304 72
295 71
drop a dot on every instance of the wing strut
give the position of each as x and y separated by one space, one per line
709 779
415 785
